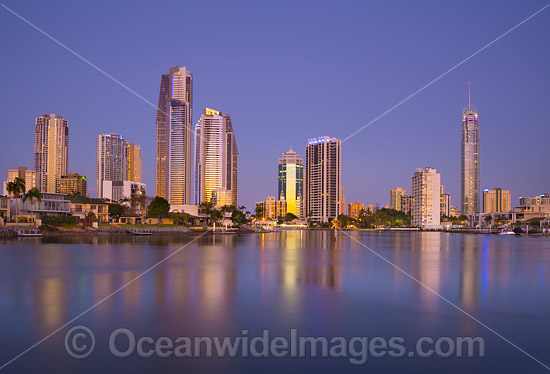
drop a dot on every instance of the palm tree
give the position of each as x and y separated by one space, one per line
31 195
16 188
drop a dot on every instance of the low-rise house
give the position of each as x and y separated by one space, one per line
51 204
4 209
81 207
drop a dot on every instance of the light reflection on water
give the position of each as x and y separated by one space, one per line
318 281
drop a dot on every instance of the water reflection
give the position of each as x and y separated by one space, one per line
219 284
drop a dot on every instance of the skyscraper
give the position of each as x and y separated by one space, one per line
470 182
110 160
216 157
426 187
51 151
21 172
291 181
133 168
323 178
173 150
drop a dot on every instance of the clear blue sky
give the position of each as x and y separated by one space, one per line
286 71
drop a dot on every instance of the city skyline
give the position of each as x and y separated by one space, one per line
501 110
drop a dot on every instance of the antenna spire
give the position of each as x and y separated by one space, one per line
469 96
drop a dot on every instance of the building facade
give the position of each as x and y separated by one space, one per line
134 162
173 136
323 179
51 151
216 157
497 200
110 160
445 202
355 209
272 209
21 172
395 198
532 207
291 181
118 190
73 184
426 198
470 162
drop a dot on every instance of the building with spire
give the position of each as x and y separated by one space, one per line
216 158
173 143
291 181
470 160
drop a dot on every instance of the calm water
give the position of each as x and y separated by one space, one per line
317 282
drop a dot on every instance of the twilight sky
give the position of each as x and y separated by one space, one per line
286 71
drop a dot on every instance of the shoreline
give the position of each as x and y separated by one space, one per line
60 232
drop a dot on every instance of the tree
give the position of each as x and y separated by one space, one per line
259 212
238 217
159 207
31 195
116 210
290 217
16 188
180 218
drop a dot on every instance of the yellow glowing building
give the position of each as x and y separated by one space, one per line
291 181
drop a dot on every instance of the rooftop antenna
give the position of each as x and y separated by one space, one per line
469 96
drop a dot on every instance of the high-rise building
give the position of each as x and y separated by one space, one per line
216 156
355 209
132 157
51 151
470 182
21 172
117 161
395 198
445 202
110 160
497 200
272 209
291 181
73 184
426 198
323 178
173 150
406 204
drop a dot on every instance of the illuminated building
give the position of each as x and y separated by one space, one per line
470 181
216 156
173 140
355 209
133 161
323 179
426 198
221 197
110 160
73 184
395 198
51 151
272 209
21 172
291 181
497 200
445 202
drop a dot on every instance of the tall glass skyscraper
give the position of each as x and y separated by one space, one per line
291 181
51 151
323 178
470 182
216 158
173 150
